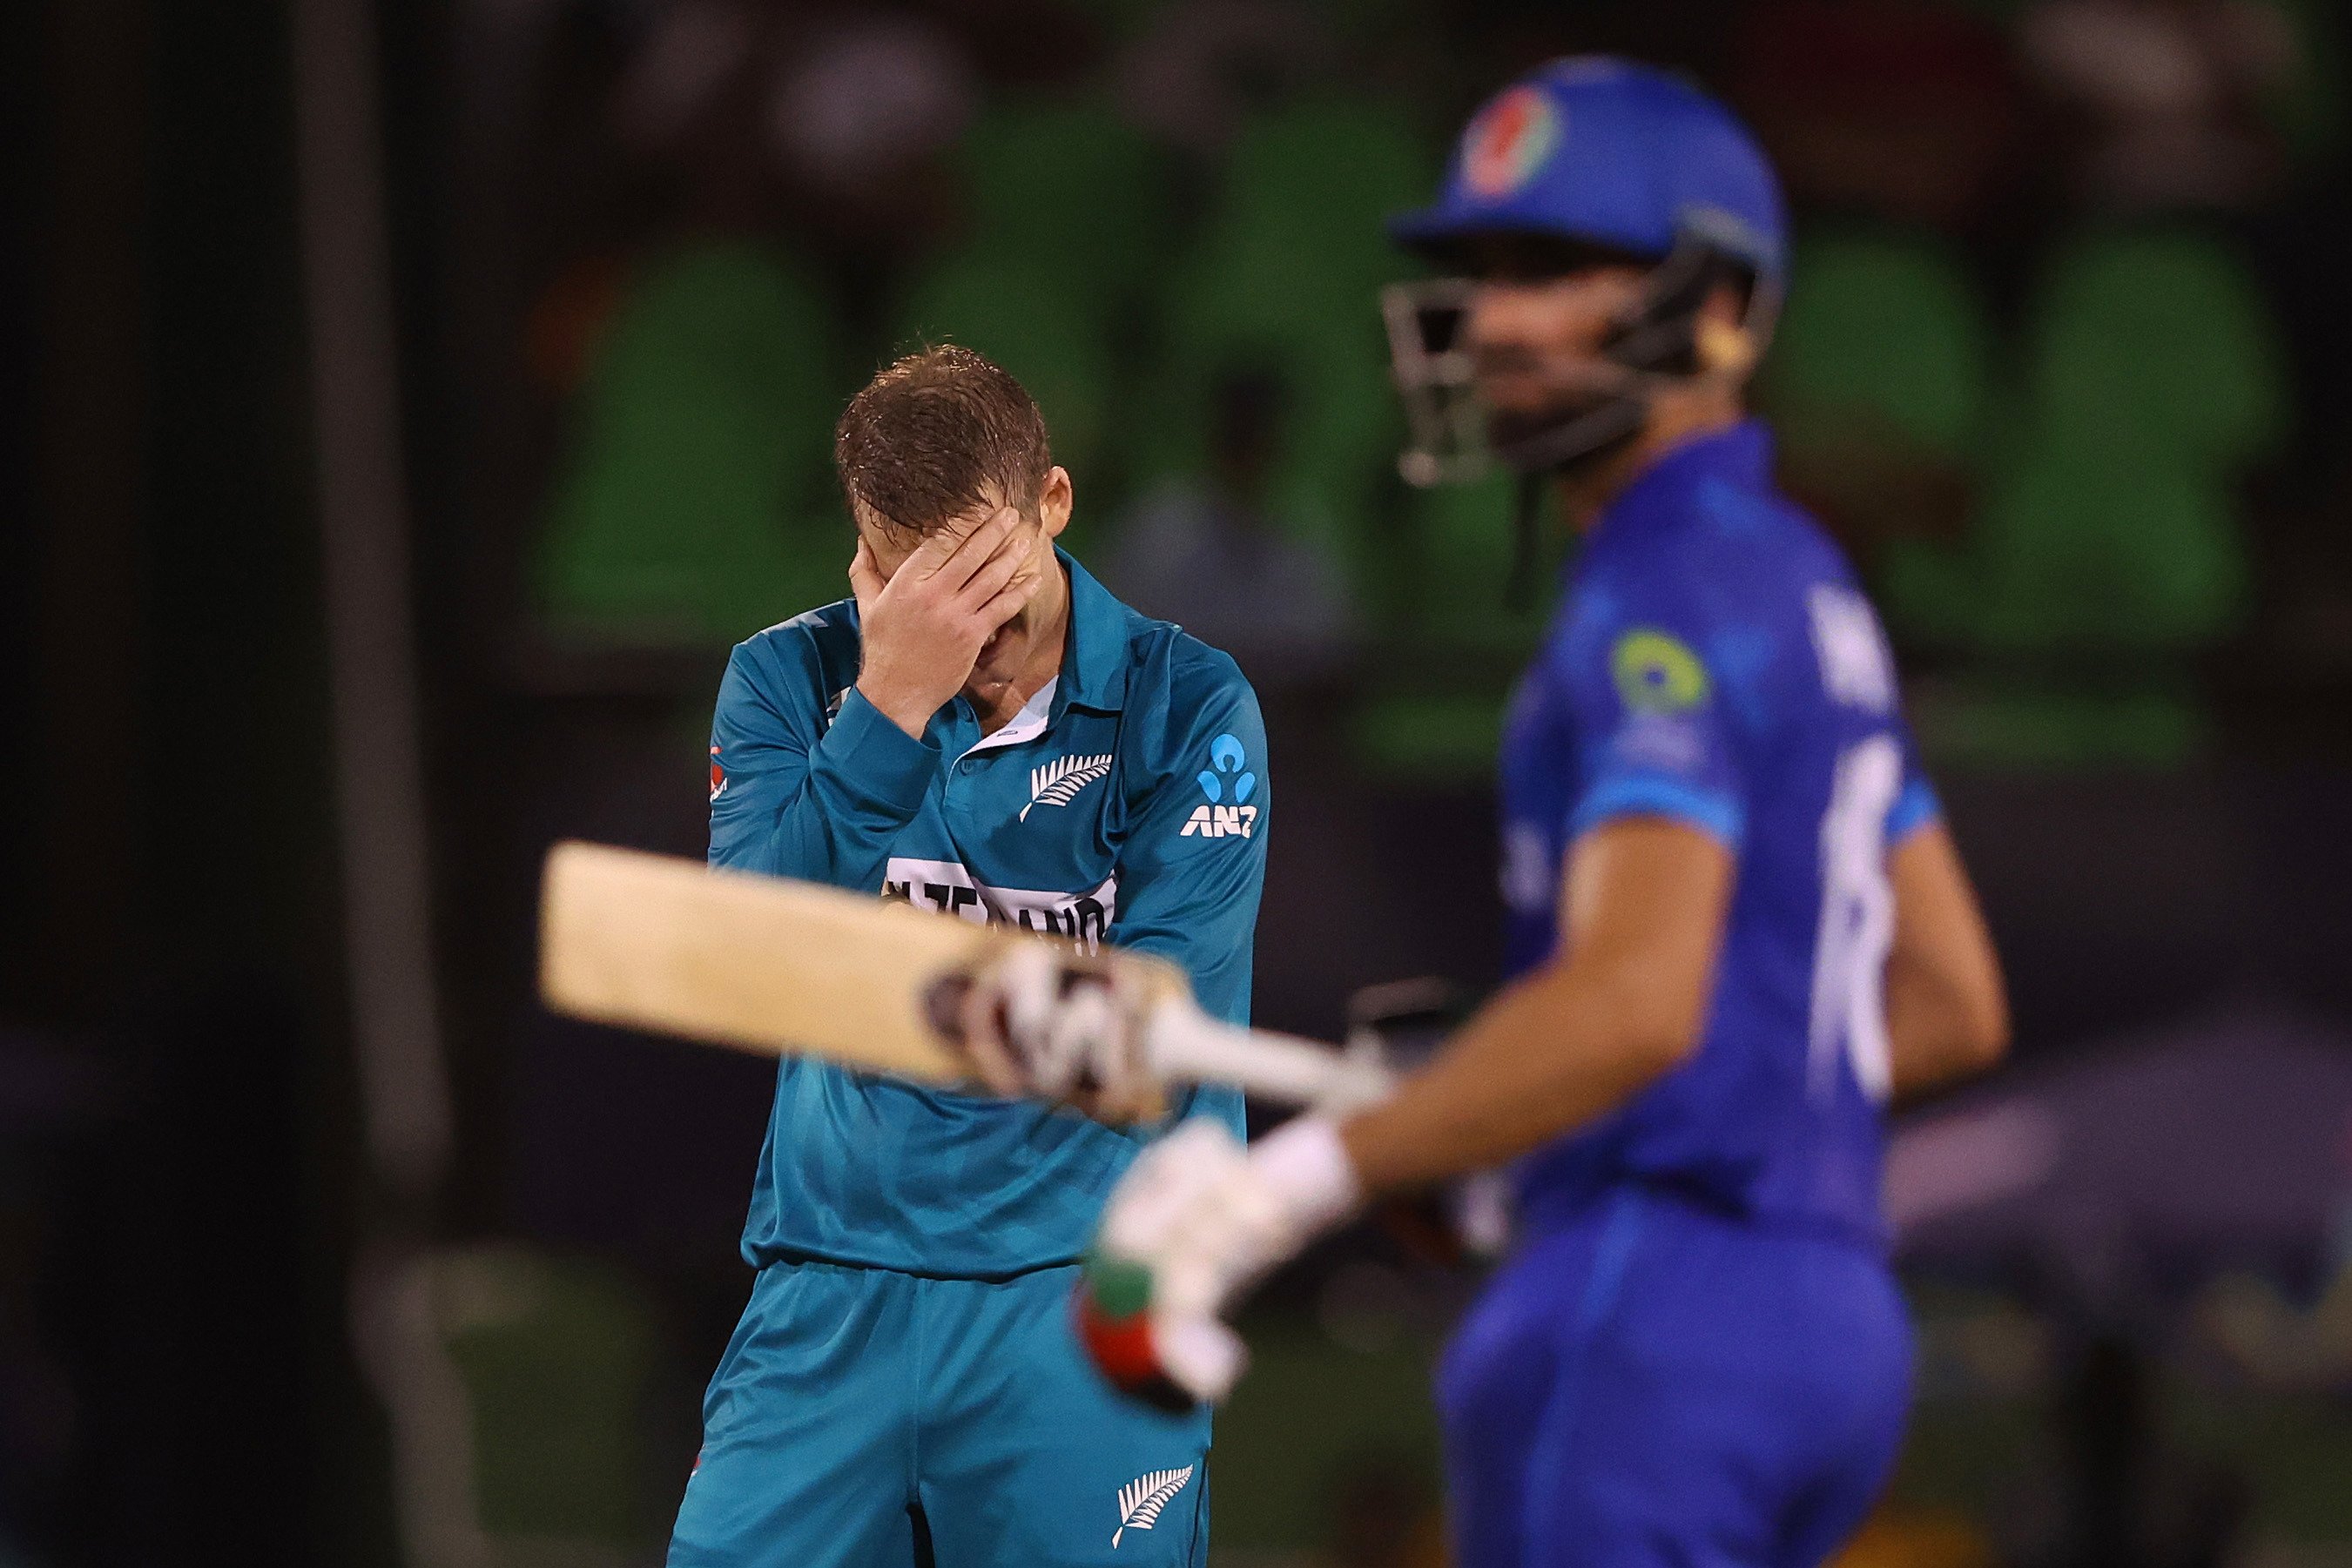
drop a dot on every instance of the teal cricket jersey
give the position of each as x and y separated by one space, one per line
1125 803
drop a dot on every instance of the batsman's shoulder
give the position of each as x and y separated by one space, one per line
1761 538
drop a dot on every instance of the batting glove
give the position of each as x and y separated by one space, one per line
1036 1022
1195 1220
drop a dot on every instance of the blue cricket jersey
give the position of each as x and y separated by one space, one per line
1715 664
1125 803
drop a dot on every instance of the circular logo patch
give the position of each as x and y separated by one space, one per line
1509 141
1656 672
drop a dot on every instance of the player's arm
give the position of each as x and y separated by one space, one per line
1190 872
1946 1016
1619 1004
797 796
1625 998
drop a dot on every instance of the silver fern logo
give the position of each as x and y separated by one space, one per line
1058 782
1140 1500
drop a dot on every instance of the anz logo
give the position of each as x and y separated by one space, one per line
1224 777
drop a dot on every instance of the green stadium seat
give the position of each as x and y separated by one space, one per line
692 506
1073 191
1878 385
1284 280
2158 335
1880 329
1070 210
1053 342
2108 544
2106 550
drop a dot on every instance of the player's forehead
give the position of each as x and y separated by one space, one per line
892 541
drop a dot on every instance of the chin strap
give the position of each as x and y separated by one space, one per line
1587 439
1665 339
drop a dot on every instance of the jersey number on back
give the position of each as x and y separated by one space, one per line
1858 923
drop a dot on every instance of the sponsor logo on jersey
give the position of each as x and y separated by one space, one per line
1857 668
1226 776
718 776
1140 1500
1225 772
1656 672
1058 783
1507 144
949 887
1221 822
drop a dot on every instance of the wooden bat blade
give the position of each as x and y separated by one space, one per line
770 965
759 963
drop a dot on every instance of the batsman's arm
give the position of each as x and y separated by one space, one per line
795 795
1653 840
1197 1218
1947 1015
1621 1003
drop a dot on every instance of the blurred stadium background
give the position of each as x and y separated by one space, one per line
2065 364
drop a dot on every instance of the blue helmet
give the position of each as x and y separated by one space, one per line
1609 154
1612 154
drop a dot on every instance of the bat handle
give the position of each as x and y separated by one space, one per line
1186 1044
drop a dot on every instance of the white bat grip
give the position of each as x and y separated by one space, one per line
1185 1043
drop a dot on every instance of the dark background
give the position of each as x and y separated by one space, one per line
181 1183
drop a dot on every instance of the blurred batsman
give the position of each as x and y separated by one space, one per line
1737 927
983 730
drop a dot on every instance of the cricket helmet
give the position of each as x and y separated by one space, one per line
1623 159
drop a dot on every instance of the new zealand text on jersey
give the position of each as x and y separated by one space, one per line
1221 822
949 887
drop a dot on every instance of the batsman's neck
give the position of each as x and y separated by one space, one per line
1042 633
1675 421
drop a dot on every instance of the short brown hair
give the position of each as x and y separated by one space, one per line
937 435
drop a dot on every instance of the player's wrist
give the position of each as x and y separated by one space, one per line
1305 1165
904 704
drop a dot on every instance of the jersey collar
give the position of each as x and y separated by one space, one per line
1741 455
1027 725
1094 667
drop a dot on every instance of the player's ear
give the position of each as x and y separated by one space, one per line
1053 501
1726 347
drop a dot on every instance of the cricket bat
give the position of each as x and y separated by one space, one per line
778 967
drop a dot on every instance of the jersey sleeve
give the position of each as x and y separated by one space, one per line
1655 733
1194 862
1917 806
795 795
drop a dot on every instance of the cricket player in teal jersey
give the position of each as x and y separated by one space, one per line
983 729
